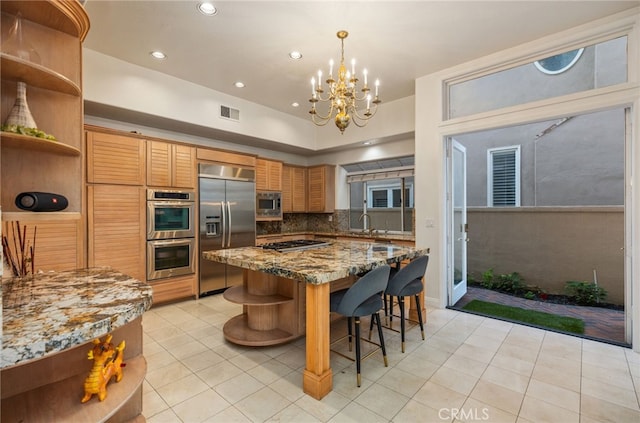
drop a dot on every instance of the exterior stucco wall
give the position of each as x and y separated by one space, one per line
549 247
579 163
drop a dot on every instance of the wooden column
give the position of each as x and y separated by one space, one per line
317 379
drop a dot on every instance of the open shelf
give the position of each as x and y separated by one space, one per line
28 143
66 16
239 295
57 401
237 331
17 69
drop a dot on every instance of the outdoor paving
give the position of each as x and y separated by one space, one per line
599 323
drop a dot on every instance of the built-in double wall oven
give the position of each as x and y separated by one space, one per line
171 229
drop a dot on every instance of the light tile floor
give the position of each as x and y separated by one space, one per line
468 369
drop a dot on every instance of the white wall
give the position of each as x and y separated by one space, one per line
432 129
112 82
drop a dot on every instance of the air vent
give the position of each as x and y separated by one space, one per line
229 113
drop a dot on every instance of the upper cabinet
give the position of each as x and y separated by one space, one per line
294 189
115 159
48 64
171 165
268 175
321 189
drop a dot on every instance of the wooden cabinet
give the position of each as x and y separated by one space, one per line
268 175
117 228
55 30
115 159
172 289
321 189
171 165
294 189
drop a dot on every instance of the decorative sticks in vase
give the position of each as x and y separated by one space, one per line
21 255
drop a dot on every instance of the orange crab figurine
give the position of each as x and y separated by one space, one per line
107 362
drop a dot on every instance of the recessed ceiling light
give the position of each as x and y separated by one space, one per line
207 8
295 104
158 55
239 84
295 55
367 143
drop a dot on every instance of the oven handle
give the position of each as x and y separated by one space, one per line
170 242
229 224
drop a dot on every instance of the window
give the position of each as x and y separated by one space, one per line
381 200
595 66
560 62
503 173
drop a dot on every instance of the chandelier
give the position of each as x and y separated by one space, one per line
345 100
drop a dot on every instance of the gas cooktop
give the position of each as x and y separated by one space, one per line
295 245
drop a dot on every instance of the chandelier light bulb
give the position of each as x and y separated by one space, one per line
345 101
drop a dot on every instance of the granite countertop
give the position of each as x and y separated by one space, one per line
350 234
317 265
54 311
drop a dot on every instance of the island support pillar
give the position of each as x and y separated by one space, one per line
317 378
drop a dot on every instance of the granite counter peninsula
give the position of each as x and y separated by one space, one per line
48 323
286 295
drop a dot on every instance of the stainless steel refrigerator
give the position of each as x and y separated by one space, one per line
227 220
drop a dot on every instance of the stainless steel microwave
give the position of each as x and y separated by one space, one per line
268 205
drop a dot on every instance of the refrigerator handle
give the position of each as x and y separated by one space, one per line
229 224
224 223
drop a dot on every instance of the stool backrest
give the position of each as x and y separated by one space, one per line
374 282
412 271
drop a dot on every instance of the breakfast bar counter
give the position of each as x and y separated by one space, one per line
48 324
274 282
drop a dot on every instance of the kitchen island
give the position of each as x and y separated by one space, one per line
49 322
273 278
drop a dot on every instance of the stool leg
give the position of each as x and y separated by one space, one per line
370 328
349 333
384 350
419 310
401 304
391 311
385 298
358 351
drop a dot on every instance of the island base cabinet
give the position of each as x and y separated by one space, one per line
271 310
50 389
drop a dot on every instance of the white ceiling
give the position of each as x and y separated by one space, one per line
397 41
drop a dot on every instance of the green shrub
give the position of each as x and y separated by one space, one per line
585 293
510 282
530 295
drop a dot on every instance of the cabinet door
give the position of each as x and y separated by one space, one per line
268 175
117 228
321 183
115 159
183 166
158 164
262 175
275 176
299 190
170 165
287 189
58 244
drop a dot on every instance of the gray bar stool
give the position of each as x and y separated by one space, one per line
406 282
363 298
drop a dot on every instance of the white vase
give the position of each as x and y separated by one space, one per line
20 113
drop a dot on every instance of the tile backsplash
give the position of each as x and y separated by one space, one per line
338 221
